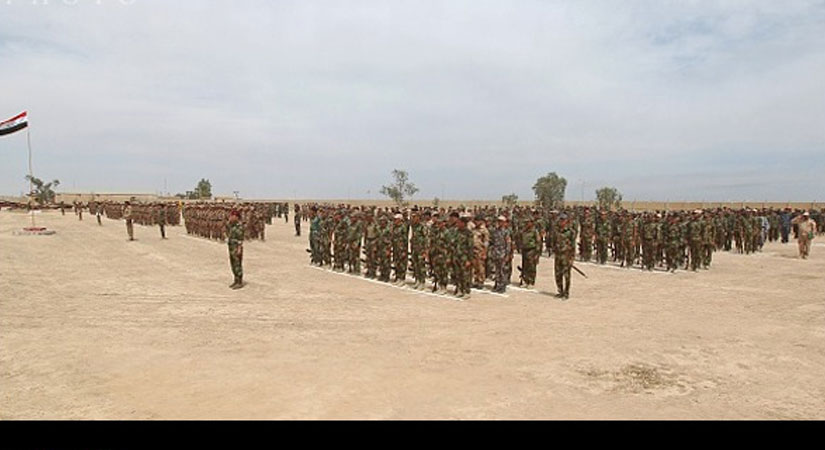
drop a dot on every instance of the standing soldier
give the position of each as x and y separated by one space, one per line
400 256
696 239
315 237
481 239
234 240
501 248
602 236
341 234
565 253
371 232
286 212
806 233
127 214
463 257
99 213
419 245
586 240
62 208
530 248
384 248
354 236
297 220
439 256
160 215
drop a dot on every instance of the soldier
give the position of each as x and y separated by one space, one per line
371 232
341 234
481 240
602 236
354 235
806 233
565 254
297 220
586 239
419 245
235 236
62 208
160 217
384 248
99 213
501 249
462 257
286 212
315 232
127 214
439 256
673 240
696 240
400 257
530 248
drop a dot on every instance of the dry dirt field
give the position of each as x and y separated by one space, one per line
95 327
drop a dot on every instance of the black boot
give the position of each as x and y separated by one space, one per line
239 283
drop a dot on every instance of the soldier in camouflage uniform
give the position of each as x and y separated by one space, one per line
603 230
419 245
341 233
481 240
235 236
384 249
586 237
354 236
400 245
696 241
439 256
501 249
565 254
530 252
463 257
297 220
371 232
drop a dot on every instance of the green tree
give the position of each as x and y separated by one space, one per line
204 189
549 190
400 189
609 198
509 200
42 192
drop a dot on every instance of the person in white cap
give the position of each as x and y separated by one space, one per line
807 231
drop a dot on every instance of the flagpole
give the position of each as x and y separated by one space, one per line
31 174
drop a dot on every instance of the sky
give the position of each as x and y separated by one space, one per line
664 100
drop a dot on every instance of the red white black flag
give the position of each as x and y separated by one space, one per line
16 123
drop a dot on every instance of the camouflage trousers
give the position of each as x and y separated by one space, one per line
440 271
529 263
419 267
384 264
130 229
601 250
371 257
341 254
479 267
586 247
500 272
463 275
354 257
236 260
400 260
563 266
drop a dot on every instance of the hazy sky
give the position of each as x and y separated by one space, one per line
693 100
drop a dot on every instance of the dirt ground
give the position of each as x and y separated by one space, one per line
95 327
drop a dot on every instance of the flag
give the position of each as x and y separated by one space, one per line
16 123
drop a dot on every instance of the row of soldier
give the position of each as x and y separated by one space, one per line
209 219
668 240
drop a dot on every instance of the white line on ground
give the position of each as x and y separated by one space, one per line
412 291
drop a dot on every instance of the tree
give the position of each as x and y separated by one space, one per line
42 192
509 200
203 189
609 198
549 190
399 190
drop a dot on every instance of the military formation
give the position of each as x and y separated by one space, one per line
209 219
465 247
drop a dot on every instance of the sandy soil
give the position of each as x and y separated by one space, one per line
95 327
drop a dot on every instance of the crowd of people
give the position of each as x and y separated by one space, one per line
466 246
